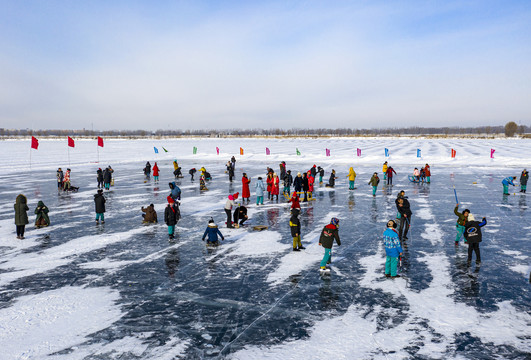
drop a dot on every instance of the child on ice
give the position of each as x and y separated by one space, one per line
523 180
99 201
295 226
374 181
392 249
506 182
462 219
329 233
473 237
172 214
260 188
212 231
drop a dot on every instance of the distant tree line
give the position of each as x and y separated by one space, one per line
510 129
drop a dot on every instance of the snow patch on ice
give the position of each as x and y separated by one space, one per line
37 325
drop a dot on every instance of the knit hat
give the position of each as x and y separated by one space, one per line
471 217
235 196
231 197
170 200
334 221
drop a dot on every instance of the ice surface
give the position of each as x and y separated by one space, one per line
77 290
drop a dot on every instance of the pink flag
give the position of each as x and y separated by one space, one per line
217 150
327 152
267 151
492 153
359 152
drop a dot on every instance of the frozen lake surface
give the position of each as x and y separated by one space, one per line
77 290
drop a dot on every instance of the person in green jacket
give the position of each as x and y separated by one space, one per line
374 181
462 219
21 215
42 218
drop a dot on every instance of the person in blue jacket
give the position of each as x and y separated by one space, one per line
509 180
392 249
175 191
212 231
260 188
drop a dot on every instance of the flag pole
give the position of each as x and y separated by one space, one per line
68 149
30 157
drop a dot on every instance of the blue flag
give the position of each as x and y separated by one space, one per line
386 152
418 153
156 150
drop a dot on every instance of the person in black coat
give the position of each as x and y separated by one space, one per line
107 177
297 182
147 169
403 207
99 173
231 171
99 201
473 236
172 214
240 214
332 180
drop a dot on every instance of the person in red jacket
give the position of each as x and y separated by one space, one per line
427 171
246 193
275 189
311 180
295 202
269 181
390 172
155 172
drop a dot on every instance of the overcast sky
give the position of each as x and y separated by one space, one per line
249 64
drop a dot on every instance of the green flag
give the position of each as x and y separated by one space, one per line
164 149
195 150
298 152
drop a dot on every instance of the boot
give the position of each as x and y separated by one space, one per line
301 247
296 249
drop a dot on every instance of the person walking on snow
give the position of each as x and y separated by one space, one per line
60 177
320 170
99 201
21 215
305 186
462 219
269 182
390 172
311 180
523 180
297 183
212 232
246 193
172 214
351 178
506 182
107 177
384 170
329 233
147 169
260 188
392 249
374 181
228 208
473 237
295 226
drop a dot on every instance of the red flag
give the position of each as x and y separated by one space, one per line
71 142
100 141
34 143
453 153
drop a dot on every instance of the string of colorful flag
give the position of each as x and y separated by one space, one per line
71 144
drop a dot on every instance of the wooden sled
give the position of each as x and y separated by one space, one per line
301 196
259 227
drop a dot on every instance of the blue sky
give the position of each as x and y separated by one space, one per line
237 64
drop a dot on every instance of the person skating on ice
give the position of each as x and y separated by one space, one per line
99 177
295 201
473 237
295 226
462 219
259 190
390 172
351 178
403 208
393 250
172 214
155 172
305 186
60 179
321 172
99 202
213 233
329 233
384 170
523 181
288 180
374 181
297 183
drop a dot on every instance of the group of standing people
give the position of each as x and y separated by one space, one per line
104 177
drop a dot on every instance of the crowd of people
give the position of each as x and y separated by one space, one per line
394 236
